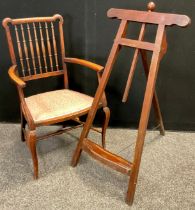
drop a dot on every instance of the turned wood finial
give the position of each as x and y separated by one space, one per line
151 6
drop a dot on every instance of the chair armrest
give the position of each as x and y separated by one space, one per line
92 66
82 62
14 77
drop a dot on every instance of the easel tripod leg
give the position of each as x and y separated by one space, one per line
158 114
155 101
85 131
77 153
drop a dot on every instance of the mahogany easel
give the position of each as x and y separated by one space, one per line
158 49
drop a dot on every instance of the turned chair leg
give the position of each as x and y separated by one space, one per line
23 124
105 125
32 147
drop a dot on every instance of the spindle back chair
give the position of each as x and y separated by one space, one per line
37 51
158 49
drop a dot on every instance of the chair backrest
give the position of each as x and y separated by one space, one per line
36 46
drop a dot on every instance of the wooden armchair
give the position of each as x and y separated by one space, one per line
36 54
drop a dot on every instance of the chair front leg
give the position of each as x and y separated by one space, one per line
105 125
31 142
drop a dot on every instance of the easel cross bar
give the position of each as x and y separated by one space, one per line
137 44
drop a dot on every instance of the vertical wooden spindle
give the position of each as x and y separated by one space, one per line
62 46
31 48
20 50
25 49
43 47
37 48
54 46
49 46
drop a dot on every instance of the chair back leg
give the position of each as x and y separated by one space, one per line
105 125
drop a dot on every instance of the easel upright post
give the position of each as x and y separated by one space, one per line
149 93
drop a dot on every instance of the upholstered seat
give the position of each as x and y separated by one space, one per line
59 103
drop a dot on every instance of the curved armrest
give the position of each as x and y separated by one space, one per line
82 62
14 76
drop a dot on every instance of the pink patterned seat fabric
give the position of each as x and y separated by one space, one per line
59 103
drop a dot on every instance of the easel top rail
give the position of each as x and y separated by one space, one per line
149 17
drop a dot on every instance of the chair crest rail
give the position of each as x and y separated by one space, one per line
32 20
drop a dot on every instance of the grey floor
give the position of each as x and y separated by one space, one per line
166 178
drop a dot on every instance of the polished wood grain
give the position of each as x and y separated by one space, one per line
112 160
54 46
25 49
155 101
136 44
85 63
152 18
33 19
13 75
20 51
33 68
31 49
158 48
43 47
149 92
143 52
49 46
133 65
44 75
37 48
31 143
